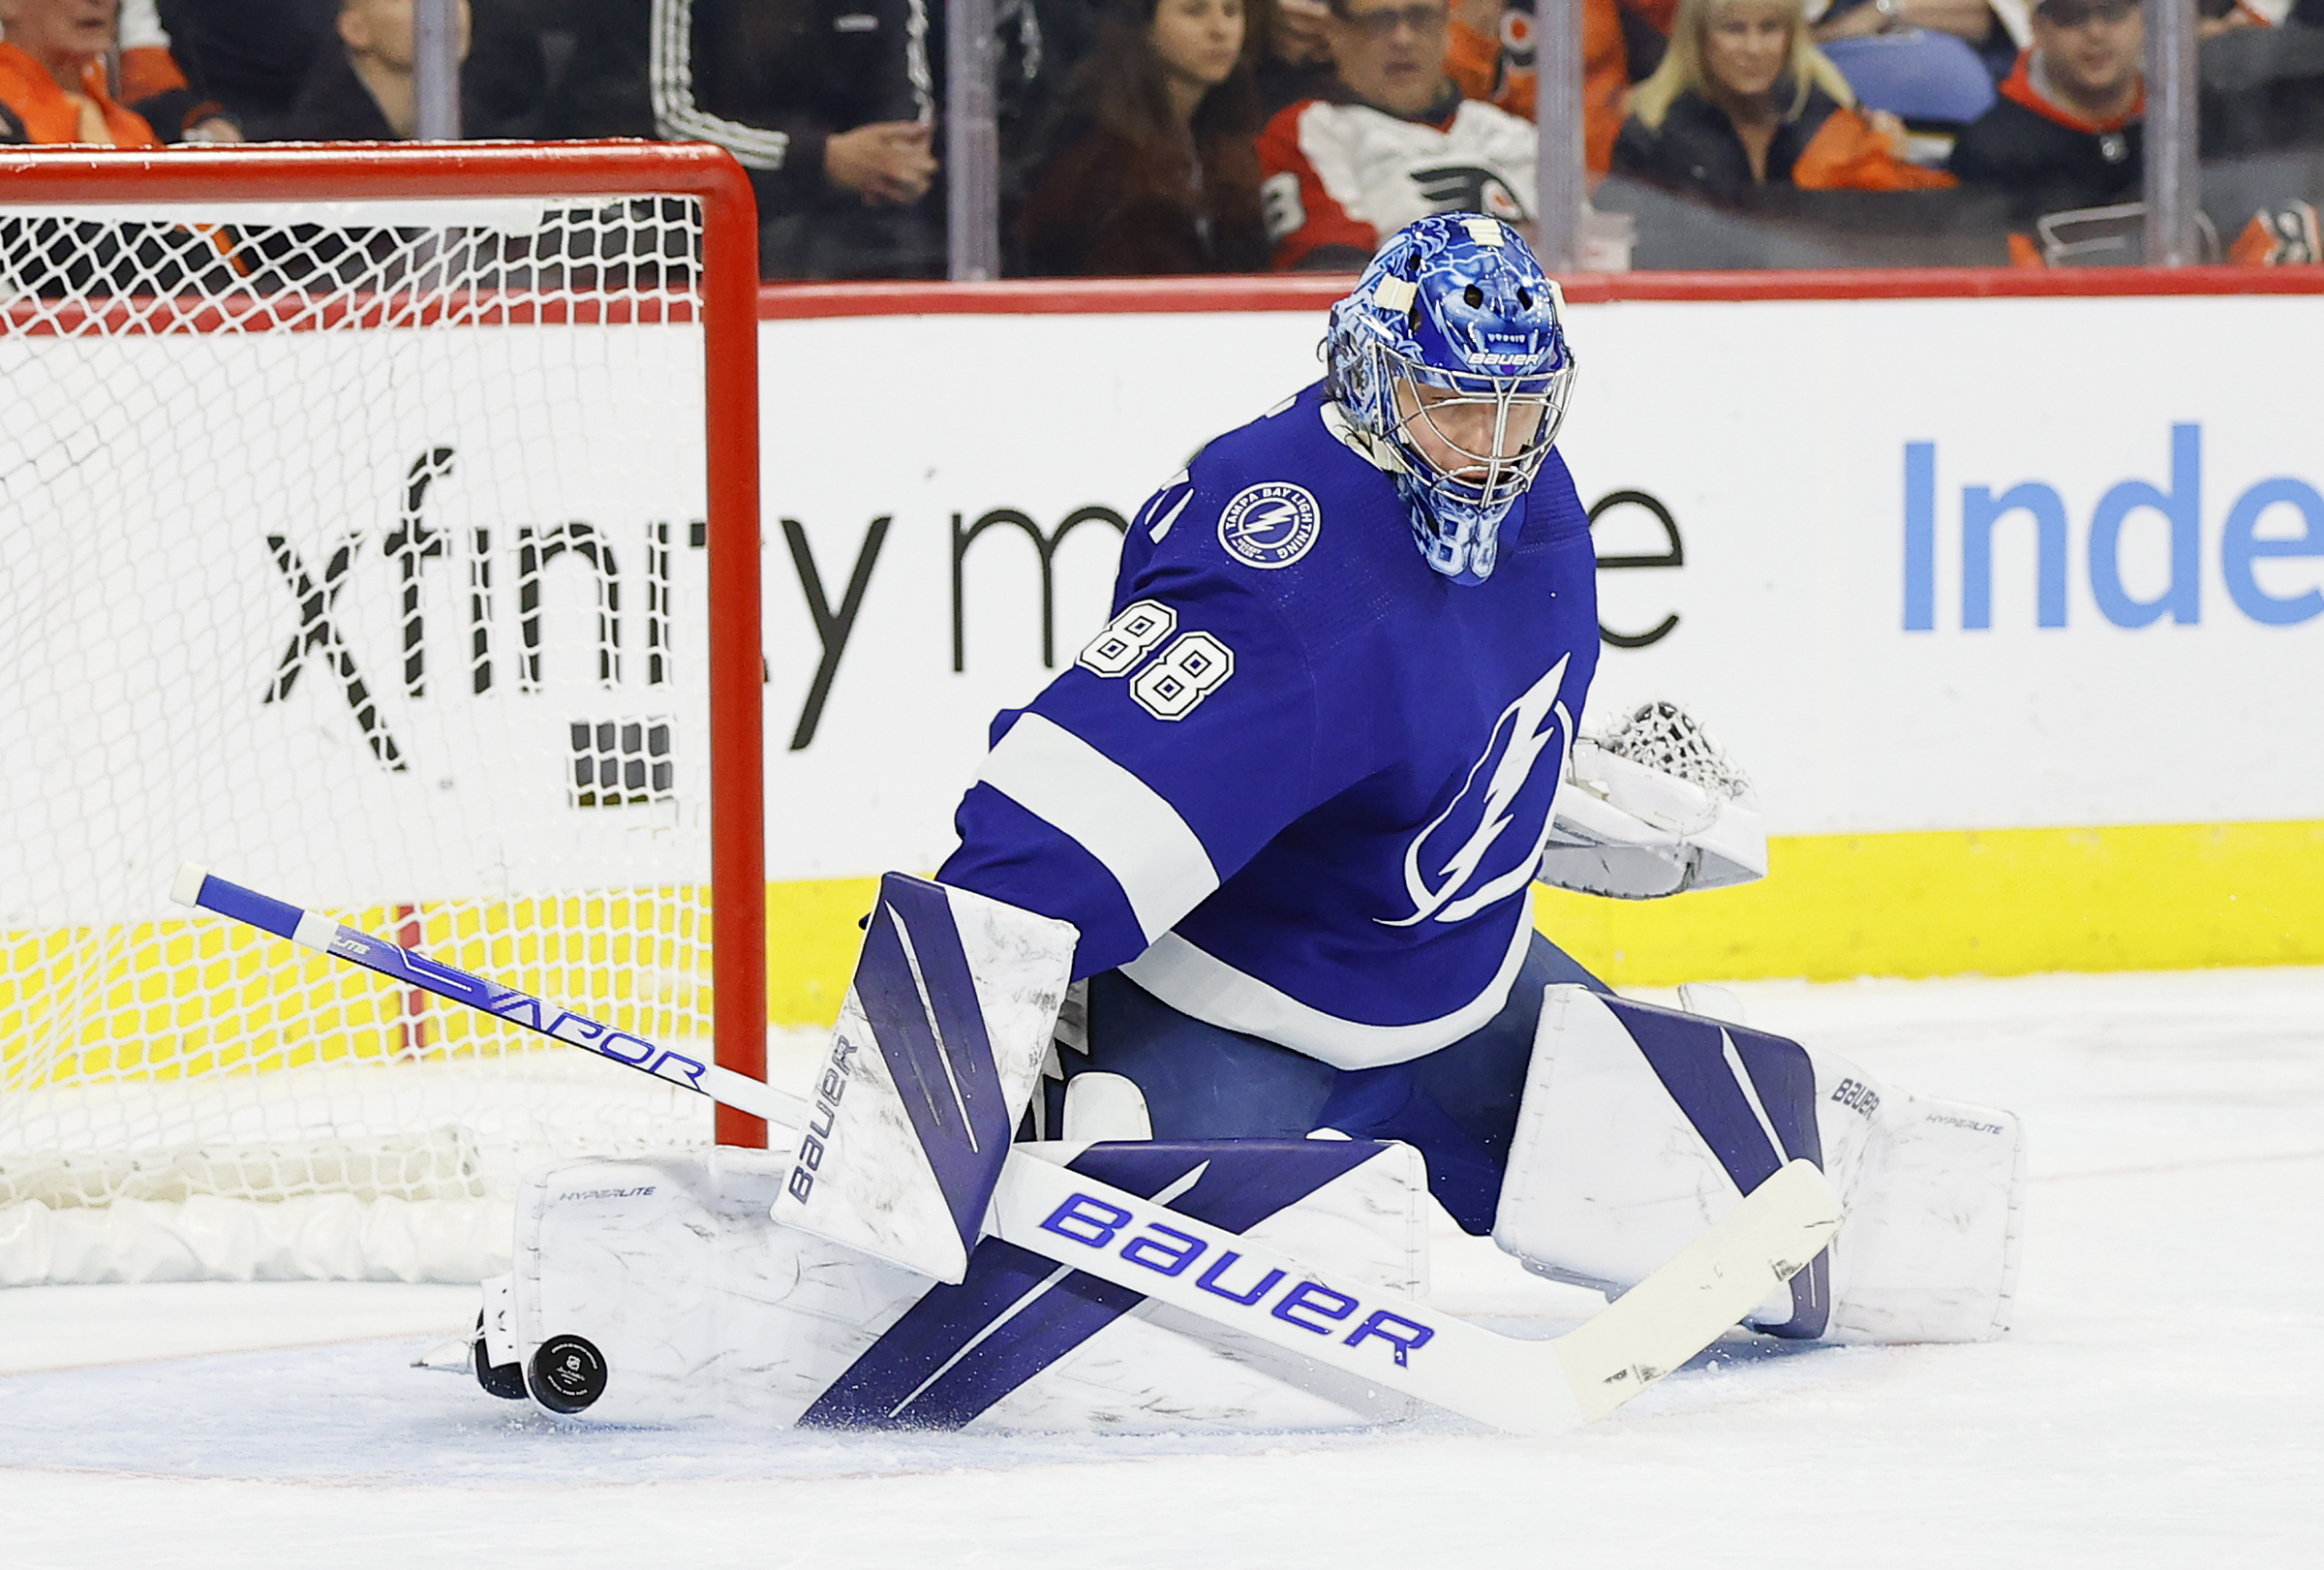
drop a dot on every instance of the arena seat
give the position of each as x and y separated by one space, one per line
1922 77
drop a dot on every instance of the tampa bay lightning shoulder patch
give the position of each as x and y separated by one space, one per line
1271 524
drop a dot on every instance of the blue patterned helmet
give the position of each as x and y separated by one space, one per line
1454 340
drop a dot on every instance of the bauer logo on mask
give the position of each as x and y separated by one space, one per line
1269 526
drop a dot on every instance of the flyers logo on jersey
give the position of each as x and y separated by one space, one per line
1467 187
1269 526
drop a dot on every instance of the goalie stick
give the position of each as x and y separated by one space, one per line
1354 1329
194 885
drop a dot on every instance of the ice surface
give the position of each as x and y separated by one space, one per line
2159 1404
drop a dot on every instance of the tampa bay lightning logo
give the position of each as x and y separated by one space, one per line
1484 846
1271 524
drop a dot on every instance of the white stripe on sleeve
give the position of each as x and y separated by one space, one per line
1109 812
676 117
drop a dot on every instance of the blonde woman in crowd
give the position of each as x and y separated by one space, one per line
1744 98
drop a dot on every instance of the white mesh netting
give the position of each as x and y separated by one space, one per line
355 550
1663 736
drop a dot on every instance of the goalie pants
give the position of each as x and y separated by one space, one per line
1457 1105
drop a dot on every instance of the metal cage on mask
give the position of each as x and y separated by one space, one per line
1455 305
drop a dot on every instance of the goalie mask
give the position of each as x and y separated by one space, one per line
1451 358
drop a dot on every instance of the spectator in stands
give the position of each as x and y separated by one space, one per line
249 55
1295 54
1393 142
603 88
2065 132
1475 57
52 87
512 65
1743 100
152 82
366 89
831 105
2263 87
1622 42
256 58
1151 169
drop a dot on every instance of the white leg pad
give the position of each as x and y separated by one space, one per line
1936 1201
688 1303
1640 1127
937 1051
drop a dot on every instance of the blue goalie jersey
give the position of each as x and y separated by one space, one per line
1299 785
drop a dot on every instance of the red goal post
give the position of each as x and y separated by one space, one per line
719 291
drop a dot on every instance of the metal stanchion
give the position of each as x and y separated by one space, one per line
972 141
2173 181
1561 187
436 50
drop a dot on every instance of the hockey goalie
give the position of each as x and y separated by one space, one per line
1135 1114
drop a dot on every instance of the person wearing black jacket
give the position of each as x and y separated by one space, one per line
250 55
2263 87
1696 151
1742 100
833 106
2065 131
257 58
364 89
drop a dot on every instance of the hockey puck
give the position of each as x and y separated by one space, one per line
567 1373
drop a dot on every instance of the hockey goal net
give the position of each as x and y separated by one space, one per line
379 529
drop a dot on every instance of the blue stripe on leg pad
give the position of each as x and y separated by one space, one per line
1688 1055
920 997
